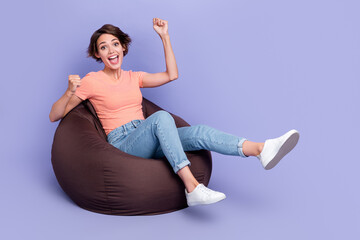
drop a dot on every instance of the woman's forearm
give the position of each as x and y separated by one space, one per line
171 66
58 108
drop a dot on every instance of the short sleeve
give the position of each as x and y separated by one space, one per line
139 77
85 91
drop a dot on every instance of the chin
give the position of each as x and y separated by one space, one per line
112 67
115 67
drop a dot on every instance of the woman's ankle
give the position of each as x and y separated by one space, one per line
252 148
261 147
188 179
190 187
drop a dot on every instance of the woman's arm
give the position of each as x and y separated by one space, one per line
67 101
158 79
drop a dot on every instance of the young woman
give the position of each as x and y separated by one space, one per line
116 97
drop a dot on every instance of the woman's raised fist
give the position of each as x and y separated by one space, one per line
74 82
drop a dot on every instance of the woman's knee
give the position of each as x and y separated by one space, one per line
164 116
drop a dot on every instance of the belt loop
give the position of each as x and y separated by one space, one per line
136 123
124 129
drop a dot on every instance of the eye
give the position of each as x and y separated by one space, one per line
102 47
116 44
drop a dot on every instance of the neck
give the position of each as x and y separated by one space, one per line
114 73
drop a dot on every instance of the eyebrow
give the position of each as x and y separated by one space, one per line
105 42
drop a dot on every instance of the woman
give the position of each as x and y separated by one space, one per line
116 97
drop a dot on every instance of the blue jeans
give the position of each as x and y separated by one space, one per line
157 136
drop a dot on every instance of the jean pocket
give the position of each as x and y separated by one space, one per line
115 140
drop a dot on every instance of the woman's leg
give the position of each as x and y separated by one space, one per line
204 137
269 152
158 130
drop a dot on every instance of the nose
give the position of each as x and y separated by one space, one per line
111 49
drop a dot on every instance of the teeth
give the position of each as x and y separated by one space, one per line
113 57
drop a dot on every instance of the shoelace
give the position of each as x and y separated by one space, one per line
206 190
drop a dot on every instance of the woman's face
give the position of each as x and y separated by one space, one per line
110 51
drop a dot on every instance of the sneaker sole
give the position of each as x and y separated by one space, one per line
287 146
201 203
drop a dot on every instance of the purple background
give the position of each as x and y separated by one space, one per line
251 68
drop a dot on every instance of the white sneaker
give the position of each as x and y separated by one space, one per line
203 195
275 149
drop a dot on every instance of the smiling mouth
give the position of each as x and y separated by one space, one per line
114 59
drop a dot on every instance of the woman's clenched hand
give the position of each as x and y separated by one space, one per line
160 26
74 82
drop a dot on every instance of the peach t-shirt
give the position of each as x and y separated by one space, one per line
115 103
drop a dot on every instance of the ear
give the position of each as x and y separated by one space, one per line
97 55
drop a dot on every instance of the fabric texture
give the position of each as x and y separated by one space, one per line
116 102
101 178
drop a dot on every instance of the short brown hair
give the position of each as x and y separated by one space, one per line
124 39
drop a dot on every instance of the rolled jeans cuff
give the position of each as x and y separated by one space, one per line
240 148
181 165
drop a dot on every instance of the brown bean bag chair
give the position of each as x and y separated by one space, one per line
101 178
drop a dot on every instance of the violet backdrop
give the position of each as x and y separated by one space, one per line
251 68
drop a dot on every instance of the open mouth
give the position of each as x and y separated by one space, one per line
114 59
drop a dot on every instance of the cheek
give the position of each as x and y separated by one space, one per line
98 55
122 53
102 56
